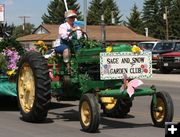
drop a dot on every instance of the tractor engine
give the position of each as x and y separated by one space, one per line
92 69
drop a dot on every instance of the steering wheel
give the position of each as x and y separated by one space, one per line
84 34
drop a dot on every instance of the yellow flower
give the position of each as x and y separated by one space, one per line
40 43
109 49
10 72
136 49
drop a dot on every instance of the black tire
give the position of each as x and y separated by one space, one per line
120 110
164 70
92 102
166 114
38 64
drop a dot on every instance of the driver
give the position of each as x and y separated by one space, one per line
61 44
64 30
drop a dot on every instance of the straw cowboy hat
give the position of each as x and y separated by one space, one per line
70 13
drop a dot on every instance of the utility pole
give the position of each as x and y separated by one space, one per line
167 23
103 30
146 31
85 15
112 17
24 20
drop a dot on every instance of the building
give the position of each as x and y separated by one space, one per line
114 34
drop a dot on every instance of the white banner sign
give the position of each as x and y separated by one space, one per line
2 9
114 65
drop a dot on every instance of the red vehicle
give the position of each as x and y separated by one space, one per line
169 61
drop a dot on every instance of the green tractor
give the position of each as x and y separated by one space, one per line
97 74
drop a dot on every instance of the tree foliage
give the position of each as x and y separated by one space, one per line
11 43
151 17
56 10
6 30
153 11
94 12
106 8
19 32
134 22
174 18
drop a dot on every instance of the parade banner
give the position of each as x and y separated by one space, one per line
116 64
2 12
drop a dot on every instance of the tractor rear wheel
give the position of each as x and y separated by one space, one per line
89 112
119 108
33 87
163 111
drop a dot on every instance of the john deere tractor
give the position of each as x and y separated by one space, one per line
101 77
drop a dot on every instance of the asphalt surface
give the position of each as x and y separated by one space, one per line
63 119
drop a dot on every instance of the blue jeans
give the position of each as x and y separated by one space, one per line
60 49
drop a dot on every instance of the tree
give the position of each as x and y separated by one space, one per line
56 10
6 30
94 12
19 32
135 21
173 8
151 19
106 8
153 11
111 7
162 5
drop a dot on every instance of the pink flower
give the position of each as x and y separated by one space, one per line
12 57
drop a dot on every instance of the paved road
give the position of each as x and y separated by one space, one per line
63 118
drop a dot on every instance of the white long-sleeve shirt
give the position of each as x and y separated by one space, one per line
64 33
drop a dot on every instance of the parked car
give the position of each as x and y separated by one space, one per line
147 45
157 48
170 60
161 47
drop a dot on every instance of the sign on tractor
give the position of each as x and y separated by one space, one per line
115 64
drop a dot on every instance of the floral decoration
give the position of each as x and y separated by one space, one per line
41 46
109 49
136 49
11 58
130 85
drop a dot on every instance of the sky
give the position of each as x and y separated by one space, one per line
34 9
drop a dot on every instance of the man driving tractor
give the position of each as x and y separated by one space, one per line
61 44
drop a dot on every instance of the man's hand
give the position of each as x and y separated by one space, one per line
75 29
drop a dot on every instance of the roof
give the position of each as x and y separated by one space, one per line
113 33
116 33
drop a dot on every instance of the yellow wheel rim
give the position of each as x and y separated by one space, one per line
160 112
109 102
26 88
85 113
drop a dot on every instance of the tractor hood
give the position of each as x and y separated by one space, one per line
97 50
92 54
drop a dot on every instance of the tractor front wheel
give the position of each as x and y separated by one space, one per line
33 87
164 109
89 112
